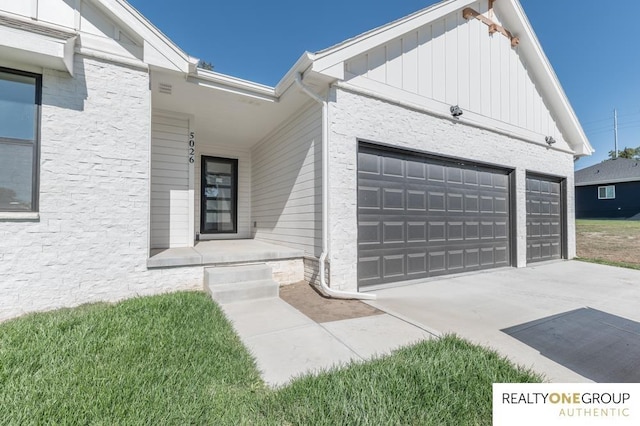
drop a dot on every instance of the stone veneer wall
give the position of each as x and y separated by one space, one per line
91 240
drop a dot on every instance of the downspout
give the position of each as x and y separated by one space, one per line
336 294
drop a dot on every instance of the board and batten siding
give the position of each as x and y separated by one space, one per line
287 184
457 62
244 187
169 182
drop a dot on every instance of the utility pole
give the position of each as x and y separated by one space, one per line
615 132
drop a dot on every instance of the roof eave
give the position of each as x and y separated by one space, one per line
129 17
304 62
607 181
232 84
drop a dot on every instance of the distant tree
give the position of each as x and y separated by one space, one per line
630 153
205 65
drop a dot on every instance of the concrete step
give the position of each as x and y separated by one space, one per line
243 291
238 273
228 284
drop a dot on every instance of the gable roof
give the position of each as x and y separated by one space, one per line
331 61
158 48
610 171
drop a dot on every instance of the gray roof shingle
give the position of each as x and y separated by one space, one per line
609 171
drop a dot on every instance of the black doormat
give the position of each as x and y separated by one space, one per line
597 345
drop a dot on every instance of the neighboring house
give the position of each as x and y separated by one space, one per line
118 155
609 190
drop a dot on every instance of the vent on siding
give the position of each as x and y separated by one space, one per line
164 88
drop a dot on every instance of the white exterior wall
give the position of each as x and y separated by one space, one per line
456 62
91 240
287 184
354 117
170 182
244 187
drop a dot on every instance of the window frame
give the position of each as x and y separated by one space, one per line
606 192
35 173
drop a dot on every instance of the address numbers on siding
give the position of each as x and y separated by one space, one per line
192 147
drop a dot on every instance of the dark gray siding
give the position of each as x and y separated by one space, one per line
624 206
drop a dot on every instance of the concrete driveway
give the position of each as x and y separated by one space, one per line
478 306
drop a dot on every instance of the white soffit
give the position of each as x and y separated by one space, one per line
31 43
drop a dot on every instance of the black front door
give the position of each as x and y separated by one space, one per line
219 195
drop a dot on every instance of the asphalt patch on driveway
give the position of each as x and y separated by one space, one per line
599 346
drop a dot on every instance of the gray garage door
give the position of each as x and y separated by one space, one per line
544 218
421 217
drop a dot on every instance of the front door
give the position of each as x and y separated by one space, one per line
219 195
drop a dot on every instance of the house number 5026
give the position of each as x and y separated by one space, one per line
192 147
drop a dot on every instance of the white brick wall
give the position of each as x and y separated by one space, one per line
91 241
353 117
288 271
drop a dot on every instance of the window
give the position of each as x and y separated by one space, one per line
20 95
606 192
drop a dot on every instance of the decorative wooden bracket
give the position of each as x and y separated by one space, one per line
469 13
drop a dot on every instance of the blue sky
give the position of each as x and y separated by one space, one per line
592 45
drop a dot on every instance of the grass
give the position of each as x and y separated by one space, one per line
609 242
174 359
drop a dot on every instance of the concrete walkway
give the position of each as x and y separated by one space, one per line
286 343
476 306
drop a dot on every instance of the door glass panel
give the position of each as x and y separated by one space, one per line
219 195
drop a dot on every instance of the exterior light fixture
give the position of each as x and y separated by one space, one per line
455 111
549 140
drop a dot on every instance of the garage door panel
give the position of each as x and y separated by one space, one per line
369 233
392 167
368 163
416 170
437 232
417 264
417 231
369 198
455 231
435 173
393 266
544 218
440 218
416 200
470 178
436 201
471 203
472 258
455 260
393 199
454 175
369 269
455 203
393 232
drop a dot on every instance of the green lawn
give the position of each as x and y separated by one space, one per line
174 359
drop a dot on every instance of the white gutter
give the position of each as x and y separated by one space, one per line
337 294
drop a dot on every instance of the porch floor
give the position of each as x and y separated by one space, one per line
221 252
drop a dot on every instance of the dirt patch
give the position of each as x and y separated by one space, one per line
307 300
612 240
